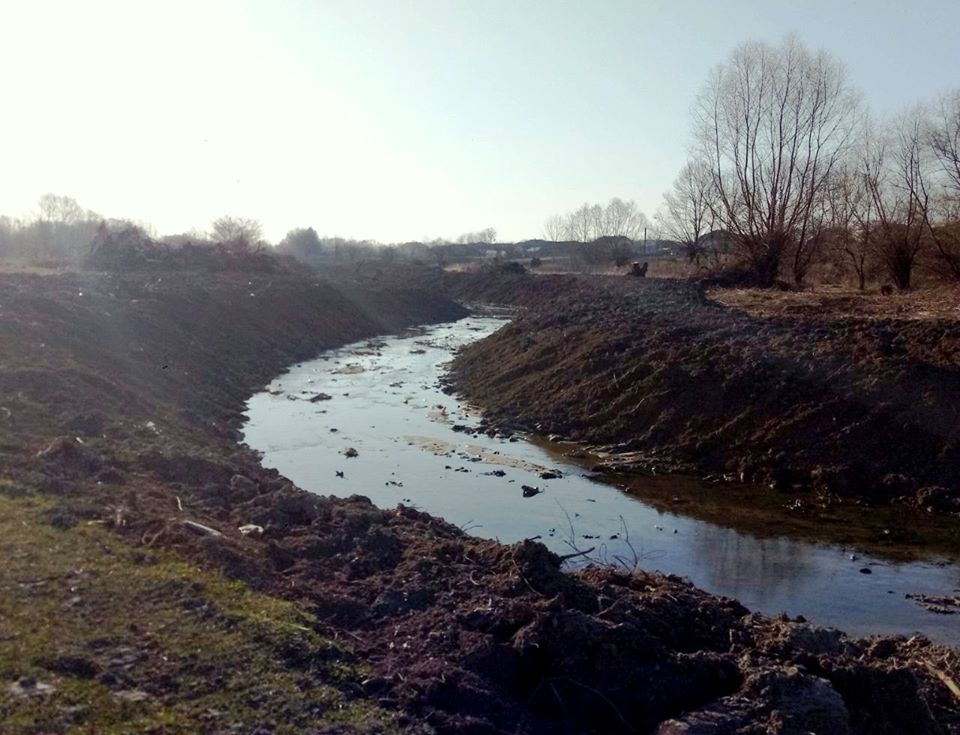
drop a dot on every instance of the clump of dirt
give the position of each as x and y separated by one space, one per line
655 374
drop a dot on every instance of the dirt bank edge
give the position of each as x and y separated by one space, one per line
656 375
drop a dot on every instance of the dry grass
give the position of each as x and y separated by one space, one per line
822 302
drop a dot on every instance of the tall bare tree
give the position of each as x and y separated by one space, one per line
580 224
773 121
236 230
622 219
555 229
895 170
849 220
688 209
58 209
944 142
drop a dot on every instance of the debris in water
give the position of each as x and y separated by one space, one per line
934 604
529 491
350 453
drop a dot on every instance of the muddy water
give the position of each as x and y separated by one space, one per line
385 404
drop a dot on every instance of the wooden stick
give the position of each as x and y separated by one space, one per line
579 553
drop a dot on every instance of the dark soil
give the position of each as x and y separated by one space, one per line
656 374
121 399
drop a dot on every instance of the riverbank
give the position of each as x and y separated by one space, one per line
183 588
414 444
656 375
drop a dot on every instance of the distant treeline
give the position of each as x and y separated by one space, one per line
61 232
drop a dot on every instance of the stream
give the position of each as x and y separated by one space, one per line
382 399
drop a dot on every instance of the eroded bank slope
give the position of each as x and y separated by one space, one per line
124 495
663 376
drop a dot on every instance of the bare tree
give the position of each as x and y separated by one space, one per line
488 236
595 218
773 122
238 230
60 210
580 224
849 220
895 170
555 229
622 219
944 137
688 209
303 243
944 213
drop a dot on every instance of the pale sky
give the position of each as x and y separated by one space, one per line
399 119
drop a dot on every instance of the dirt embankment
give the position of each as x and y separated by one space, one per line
120 401
661 375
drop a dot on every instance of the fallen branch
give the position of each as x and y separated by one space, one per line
565 557
944 679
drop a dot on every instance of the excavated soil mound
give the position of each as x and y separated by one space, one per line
660 375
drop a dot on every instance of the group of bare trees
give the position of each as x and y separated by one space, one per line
788 166
487 235
58 229
593 222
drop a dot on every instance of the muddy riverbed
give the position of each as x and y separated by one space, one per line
371 419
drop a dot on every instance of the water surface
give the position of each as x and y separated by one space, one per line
386 405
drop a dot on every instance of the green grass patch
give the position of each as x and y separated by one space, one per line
134 642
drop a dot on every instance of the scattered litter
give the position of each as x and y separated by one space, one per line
28 686
200 529
133 695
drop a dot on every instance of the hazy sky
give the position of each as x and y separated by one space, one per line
398 119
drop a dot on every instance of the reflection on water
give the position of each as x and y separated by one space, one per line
381 399
739 563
